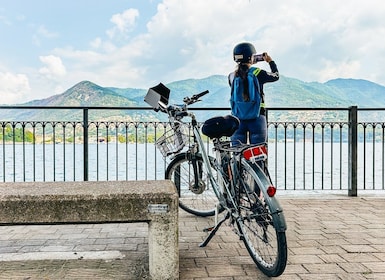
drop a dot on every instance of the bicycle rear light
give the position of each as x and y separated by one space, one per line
271 190
255 153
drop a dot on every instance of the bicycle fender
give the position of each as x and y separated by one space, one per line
277 214
276 209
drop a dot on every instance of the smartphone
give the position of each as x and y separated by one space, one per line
258 58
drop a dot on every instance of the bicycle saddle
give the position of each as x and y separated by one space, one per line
217 127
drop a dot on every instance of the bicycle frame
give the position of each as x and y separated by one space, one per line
213 181
239 186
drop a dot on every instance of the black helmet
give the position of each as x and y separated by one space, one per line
243 52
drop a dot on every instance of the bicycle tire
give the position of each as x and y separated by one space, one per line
261 222
197 199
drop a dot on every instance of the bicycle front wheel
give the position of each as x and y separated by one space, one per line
196 195
261 222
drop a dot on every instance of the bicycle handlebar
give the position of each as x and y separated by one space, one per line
199 95
195 98
174 110
181 110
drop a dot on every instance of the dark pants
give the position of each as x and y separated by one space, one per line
251 131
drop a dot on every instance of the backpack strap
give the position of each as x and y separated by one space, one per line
255 71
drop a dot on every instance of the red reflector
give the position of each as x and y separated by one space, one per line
255 153
271 190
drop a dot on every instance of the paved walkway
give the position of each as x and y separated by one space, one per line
335 237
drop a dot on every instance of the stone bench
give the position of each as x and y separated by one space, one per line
153 202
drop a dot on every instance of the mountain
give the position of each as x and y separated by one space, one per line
287 92
82 94
359 92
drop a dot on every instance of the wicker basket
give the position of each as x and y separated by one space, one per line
173 140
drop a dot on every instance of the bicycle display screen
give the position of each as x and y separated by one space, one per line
157 93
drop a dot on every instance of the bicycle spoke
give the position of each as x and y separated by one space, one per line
197 198
265 244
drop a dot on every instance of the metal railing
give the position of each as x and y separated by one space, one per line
318 149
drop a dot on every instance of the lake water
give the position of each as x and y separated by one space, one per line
65 162
292 166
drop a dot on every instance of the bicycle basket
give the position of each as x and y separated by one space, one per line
173 140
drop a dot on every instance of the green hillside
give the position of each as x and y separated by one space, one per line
287 93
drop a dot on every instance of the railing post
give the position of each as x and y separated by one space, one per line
85 144
352 152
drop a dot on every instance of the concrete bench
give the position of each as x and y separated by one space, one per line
153 202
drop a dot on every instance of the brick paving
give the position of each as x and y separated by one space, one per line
333 237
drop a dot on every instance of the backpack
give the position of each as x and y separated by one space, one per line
246 110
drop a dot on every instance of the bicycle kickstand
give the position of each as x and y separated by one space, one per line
213 230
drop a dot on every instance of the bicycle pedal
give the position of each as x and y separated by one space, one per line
208 229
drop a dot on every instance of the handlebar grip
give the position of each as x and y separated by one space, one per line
199 95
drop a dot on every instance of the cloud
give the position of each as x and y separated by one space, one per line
42 33
13 87
4 20
341 70
53 68
195 38
123 23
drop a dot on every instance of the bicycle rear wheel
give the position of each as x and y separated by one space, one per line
197 198
261 222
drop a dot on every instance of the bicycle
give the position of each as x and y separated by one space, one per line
234 181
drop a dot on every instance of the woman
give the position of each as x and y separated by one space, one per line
252 131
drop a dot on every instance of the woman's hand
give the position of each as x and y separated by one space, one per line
267 57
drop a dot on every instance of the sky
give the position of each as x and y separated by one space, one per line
48 46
